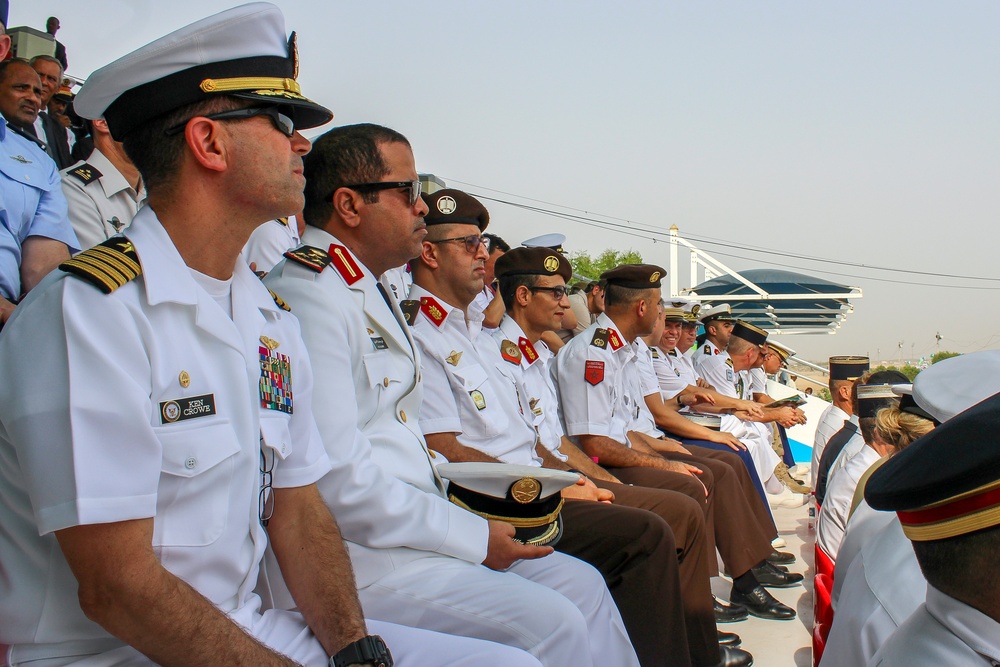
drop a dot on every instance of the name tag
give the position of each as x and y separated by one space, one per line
179 409
379 343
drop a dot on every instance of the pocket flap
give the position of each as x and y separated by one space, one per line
472 376
274 431
380 369
192 451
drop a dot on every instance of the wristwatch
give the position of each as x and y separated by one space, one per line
370 650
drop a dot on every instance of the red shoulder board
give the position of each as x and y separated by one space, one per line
316 259
510 352
345 264
527 349
594 373
432 309
717 350
614 339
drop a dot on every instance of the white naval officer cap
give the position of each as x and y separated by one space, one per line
554 241
526 497
721 311
241 52
955 384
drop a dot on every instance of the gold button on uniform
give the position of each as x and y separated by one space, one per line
385 382
184 379
402 415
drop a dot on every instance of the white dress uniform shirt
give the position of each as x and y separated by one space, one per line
831 421
672 373
140 404
882 588
648 385
704 353
101 202
718 371
942 631
862 527
473 392
832 520
398 280
269 242
543 403
854 446
466 393
593 382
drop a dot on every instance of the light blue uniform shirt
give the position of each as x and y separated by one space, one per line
31 204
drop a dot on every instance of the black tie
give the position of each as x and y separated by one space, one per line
385 295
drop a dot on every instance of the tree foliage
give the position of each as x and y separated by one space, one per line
593 267
942 355
909 370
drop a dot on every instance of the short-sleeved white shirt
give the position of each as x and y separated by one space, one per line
464 391
146 403
832 521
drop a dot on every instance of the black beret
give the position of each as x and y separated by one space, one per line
635 276
454 207
749 333
537 261
947 482
848 368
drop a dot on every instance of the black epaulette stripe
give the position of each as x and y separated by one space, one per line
410 308
315 258
107 266
279 301
600 338
92 173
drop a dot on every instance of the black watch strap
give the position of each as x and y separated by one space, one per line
370 650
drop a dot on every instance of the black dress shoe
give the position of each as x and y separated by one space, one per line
734 657
769 575
781 557
762 604
726 612
729 639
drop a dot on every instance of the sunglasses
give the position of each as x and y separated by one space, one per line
472 242
558 292
413 187
282 123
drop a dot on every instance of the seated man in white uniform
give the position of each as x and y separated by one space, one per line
875 394
882 585
403 534
844 371
944 490
144 480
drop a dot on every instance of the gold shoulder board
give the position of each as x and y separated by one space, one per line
107 266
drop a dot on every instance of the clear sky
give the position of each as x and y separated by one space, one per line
862 132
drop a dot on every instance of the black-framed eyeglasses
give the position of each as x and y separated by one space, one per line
558 292
472 242
265 501
413 186
282 122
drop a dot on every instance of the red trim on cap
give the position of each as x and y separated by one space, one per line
951 510
345 264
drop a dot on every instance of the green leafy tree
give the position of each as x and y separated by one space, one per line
593 267
909 370
942 355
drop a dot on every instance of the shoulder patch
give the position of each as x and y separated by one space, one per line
510 352
600 338
107 266
410 308
86 173
279 301
316 259
593 372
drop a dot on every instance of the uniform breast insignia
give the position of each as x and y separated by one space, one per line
594 372
316 259
533 404
677 372
86 173
107 266
117 224
432 309
510 352
478 399
600 338
527 349
275 379
269 343
184 379
179 409
345 264
454 357
739 387
21 159
410 308
615 339
278 301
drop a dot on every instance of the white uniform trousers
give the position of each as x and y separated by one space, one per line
286 632
557 608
